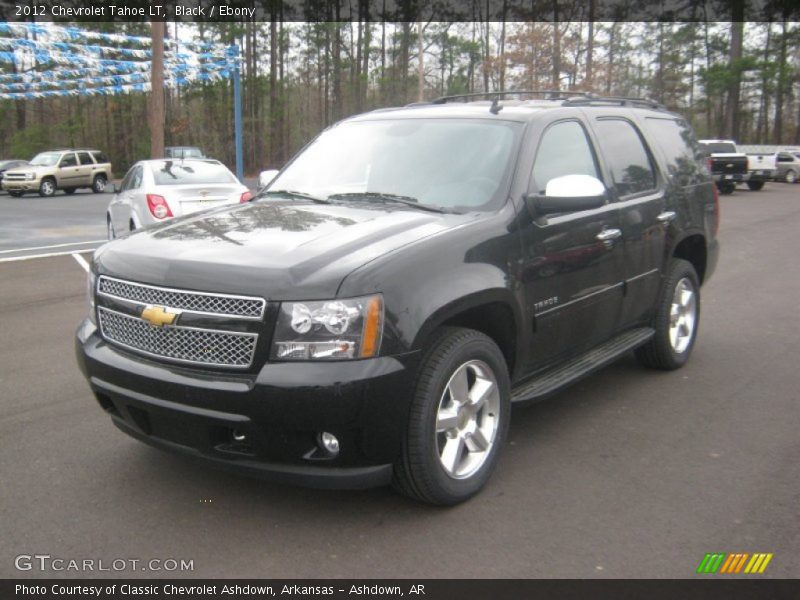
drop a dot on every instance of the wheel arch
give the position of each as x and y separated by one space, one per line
693 248
492 312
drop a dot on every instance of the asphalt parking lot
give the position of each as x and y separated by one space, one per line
630 474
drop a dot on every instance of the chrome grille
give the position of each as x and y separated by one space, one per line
200 302
183 344
15 176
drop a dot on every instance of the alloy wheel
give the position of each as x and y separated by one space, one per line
467 419
682 316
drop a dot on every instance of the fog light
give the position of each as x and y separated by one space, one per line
238 436
329 443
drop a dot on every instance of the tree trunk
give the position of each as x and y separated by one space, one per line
356 83
780 91
337 67
274 135
732 118
556 49
762 129
364 84
589 84
660 71
383 53
502 56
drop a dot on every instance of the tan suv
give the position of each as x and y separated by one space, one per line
65 170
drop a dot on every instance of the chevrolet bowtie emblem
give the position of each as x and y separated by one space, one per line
158 316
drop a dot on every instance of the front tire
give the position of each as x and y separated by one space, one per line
458 419
99 184
676 321
47 187
15 194
790 177
755 185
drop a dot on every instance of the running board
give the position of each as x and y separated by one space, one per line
558 377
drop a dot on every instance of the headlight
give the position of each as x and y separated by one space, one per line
30 176
90 285
329 330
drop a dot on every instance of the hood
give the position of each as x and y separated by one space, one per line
29 169
275 249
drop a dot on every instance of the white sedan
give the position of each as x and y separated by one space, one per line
156 190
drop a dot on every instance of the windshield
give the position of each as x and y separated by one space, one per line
448 163
176 172
46 159
719 148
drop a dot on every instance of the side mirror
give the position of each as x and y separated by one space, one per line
266 177
570 193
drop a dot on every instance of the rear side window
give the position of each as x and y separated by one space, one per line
683 154
564 150
626 155
85 158
100 157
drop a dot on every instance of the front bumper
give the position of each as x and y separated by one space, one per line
280 410
21 186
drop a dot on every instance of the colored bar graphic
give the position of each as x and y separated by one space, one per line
741 562
764 564
730 564
711 563
757 564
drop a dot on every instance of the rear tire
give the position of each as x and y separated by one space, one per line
458 419
790 176
755 185
676 322
47 187
726 187
99 184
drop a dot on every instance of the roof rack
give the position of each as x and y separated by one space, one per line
568 98
548 95
592 100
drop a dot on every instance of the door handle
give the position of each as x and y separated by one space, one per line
667 216
609 235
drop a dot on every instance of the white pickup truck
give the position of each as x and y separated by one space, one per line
762 165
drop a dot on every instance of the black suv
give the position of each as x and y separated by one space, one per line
373 313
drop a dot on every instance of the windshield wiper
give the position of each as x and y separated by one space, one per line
295 194
407 200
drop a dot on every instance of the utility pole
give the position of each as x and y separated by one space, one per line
157 118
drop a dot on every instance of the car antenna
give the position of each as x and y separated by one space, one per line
496 107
